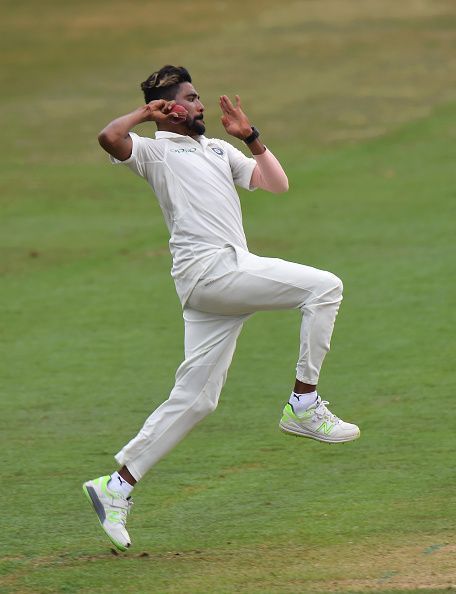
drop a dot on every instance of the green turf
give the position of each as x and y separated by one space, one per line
357 103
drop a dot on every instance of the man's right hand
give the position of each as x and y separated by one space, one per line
160 111
115 137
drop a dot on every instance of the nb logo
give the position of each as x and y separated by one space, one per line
325 427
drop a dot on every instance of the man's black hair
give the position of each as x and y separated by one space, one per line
164 83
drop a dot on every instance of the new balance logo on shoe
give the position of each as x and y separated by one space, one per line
325 427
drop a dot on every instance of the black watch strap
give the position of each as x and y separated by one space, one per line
252 136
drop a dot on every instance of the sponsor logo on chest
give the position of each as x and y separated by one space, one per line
183 150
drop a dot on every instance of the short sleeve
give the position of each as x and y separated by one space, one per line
144 150
241 166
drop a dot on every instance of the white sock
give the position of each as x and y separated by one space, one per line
301 402
119 485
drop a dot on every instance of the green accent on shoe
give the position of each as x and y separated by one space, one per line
326 427
288 414
104 480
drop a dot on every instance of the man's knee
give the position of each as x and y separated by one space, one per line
336 282
203 406
329 287
199 394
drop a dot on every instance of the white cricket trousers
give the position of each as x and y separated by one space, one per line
236 285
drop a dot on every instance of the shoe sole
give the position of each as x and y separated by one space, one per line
299 432
98 508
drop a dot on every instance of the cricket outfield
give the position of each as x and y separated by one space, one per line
357 102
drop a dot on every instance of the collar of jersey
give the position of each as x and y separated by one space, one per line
166 134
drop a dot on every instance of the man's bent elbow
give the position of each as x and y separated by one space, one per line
105 139
282 186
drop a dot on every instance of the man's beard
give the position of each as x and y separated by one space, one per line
196 125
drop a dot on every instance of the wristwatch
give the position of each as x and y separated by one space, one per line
252 136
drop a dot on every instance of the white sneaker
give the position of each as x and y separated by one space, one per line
317 422
111 508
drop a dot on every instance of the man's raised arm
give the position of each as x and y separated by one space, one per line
115 137
268 173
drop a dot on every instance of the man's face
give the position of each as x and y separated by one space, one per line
188 97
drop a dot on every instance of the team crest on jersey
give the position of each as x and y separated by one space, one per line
218 151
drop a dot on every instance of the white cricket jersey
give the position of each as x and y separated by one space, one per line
194 181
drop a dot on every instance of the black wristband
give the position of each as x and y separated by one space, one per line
252 136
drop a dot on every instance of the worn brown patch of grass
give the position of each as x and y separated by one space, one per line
371 566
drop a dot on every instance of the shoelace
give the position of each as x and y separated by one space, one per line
121 512
323 413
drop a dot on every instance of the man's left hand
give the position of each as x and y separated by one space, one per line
234 120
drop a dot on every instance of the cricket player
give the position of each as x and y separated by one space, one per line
219 282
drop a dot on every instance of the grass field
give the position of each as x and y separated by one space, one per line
356 99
